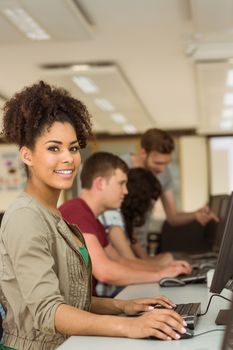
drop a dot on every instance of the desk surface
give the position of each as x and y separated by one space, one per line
189 293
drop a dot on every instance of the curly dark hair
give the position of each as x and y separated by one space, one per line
30 111
143 188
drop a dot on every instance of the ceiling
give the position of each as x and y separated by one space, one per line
160 63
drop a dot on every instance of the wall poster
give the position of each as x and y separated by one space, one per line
12 174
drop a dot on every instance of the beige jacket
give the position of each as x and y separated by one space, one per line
40 268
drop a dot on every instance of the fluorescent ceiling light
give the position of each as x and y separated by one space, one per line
25 23
104 104
118 118
228 99
80 67
85 84
226 124
227 113
129 129
230 78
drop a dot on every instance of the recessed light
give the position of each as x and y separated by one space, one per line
129 129
85 84
230 78
104 104
118 118
80 67
25 23
228 99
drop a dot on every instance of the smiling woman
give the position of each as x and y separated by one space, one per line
44 264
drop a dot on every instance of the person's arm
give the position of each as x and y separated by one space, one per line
176 218
161 259
115 306
120 242
135 251
138 249
160 323
120 273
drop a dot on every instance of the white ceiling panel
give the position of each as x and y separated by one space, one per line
212 16
113 86
61 19
163 57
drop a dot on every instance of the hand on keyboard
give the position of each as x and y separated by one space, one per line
135 306
176 268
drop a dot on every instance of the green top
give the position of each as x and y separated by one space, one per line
84 253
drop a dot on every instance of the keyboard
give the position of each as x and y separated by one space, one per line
198 275
189 313
205 255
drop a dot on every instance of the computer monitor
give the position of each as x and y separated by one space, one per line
1 216
214 230
224 269
227 343
215 202
219 231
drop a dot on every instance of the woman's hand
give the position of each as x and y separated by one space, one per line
160 323
134 306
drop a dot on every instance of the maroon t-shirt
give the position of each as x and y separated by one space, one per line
76 211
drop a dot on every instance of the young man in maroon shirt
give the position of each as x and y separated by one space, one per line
104 180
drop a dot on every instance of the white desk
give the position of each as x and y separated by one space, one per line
189 293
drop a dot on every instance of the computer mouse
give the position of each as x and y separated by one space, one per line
171 282
188 334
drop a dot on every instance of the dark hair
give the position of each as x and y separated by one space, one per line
157 140
29 112
100 164
143 187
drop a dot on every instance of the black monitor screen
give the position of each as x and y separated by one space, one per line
1 216
215 203
222 214
224 268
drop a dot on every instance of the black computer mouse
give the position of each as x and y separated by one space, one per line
171 282
188 334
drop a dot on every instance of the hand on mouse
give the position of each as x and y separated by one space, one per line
134 306
161 323
176 268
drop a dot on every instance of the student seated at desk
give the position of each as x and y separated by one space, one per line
45 266
155 155
103 179
143 190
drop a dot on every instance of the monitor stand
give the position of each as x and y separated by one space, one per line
222 317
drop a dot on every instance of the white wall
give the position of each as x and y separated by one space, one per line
193 172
